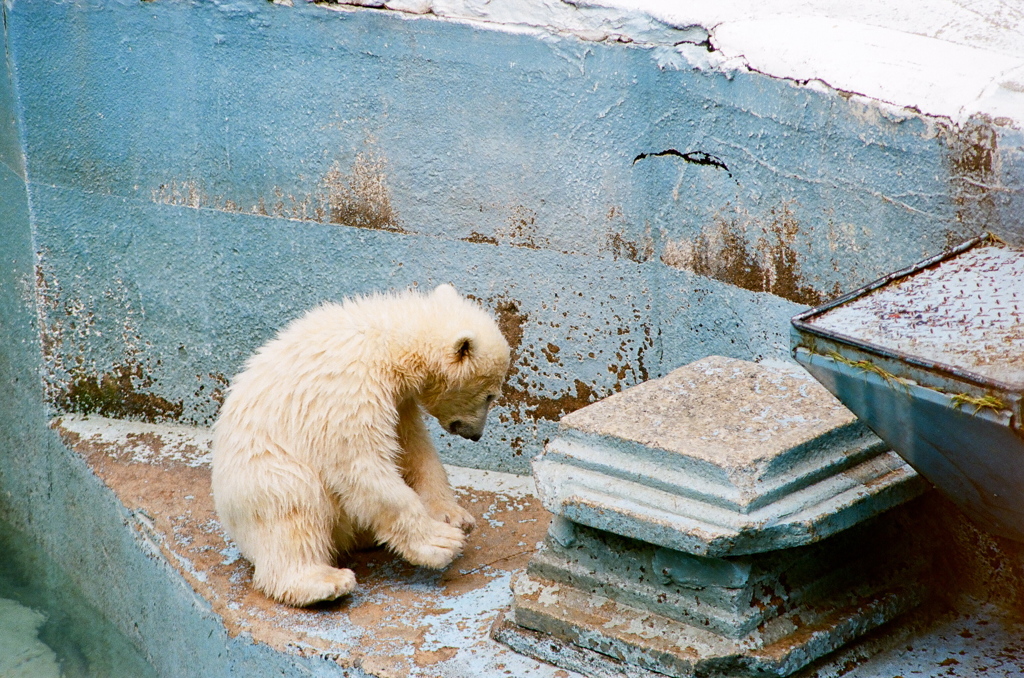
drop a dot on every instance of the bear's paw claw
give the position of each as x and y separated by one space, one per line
454 515
439 548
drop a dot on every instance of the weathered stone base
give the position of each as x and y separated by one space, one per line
639 610
737 597
597 636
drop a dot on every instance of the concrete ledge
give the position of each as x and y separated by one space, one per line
402 620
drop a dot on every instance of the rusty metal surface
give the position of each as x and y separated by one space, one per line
932 359
961 313
402 620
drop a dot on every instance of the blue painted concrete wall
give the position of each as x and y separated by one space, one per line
178 179
202 172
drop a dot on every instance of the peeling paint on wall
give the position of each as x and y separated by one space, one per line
519 402
525 401
727 252
74 382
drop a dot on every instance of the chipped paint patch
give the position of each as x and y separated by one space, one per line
523 400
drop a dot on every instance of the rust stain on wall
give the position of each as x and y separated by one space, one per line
972 158
622 248
726 251
520 229
358 197
361 197
117 394
617 242
974 149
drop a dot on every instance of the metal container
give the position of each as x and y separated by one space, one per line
932 359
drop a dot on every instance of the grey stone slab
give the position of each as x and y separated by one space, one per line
721 457
722 520
748 421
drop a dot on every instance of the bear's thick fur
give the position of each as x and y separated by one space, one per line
320 446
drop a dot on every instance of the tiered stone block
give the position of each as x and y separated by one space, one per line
721 520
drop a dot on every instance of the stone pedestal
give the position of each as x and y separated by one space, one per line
720 520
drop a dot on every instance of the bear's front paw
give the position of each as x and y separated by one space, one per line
309 585
437 547
453 514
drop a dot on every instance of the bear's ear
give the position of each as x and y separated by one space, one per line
445 290
464 346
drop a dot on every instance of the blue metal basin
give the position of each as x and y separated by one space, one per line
932 359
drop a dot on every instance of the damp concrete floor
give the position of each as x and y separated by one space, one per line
405 621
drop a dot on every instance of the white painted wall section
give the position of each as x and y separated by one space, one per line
948 58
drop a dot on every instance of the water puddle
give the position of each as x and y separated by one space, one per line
47 629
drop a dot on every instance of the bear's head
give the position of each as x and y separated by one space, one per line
470 367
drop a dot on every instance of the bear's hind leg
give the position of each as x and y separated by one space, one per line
296 559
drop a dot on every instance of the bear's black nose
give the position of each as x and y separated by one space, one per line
475 437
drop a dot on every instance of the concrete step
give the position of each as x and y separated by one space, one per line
401 621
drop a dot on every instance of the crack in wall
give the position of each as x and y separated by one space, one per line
692 157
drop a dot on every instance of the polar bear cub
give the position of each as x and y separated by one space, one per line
320 445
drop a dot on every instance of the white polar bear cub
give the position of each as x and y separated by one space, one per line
320 445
